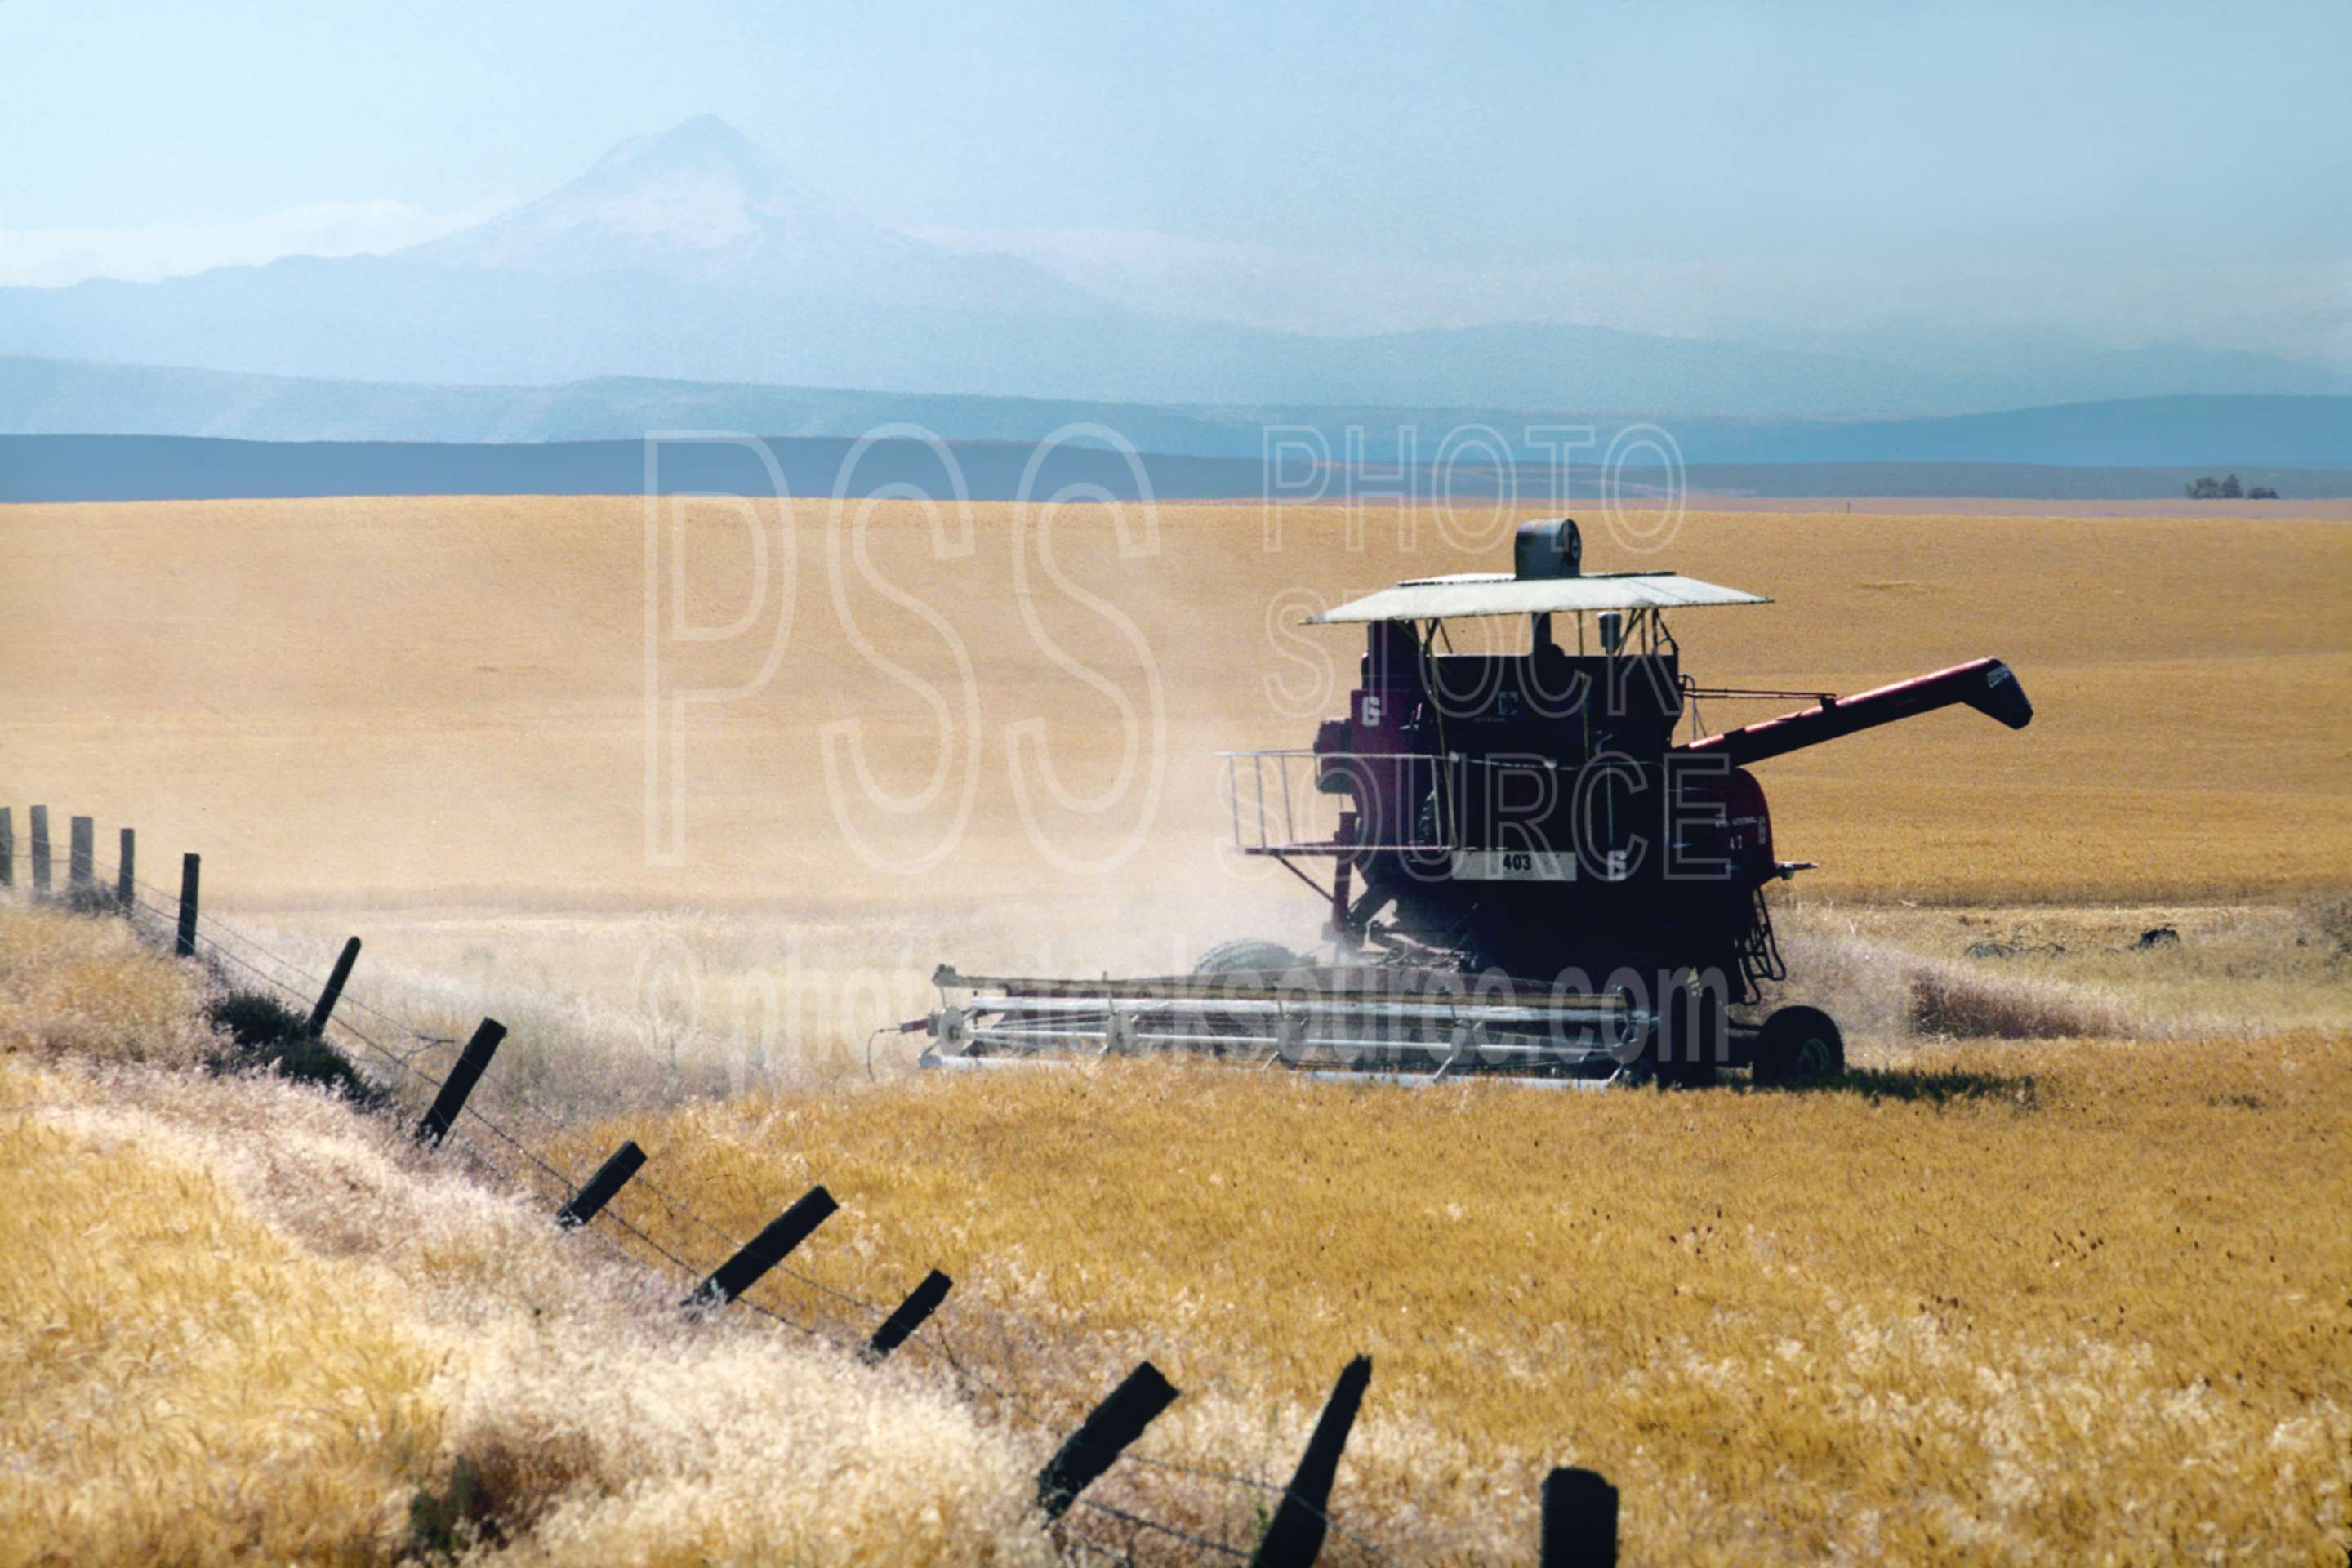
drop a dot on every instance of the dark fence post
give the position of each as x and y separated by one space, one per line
8 847
1102 1437
126 886
334 991
185 943
1294 1537
920 1303
610 1178
460 1081
81 856
41 849
765 1251
1579 1521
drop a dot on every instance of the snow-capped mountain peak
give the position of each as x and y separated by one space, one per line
700 203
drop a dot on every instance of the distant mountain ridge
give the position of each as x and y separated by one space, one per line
59 397
694 255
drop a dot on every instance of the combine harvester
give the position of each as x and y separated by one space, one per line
1528 875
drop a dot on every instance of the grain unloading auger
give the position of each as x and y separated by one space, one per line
1530 876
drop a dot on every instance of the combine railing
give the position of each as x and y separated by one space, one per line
1402 800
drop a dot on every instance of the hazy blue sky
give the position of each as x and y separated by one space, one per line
1704 165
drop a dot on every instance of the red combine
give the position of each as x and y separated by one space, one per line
1529 873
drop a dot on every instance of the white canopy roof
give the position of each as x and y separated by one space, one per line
1496 594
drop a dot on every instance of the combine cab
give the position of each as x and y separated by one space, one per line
1528 873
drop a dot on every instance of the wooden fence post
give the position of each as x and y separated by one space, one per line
336 978
1579 1521
41 849
8 847
1294 1537
764 1251
920 1303
81 856
126 886
1102 1437
185 944
461 1080
609 1179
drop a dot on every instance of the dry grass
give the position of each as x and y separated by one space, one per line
241 1323
72 986
2073 1302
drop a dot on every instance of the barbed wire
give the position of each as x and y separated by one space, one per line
555 1125
566 1184
1140 1522
106 881
788 1270
564 1180
1205 1473
218 925
211 926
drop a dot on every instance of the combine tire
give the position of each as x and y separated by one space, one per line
1247 955
1799 1045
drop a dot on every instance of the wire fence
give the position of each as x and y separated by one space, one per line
250 956
237 956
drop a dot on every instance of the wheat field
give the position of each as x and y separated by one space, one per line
2057 1275
445 699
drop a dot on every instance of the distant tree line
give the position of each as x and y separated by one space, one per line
2211 489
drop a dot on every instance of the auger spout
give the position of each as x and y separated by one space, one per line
1987 685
